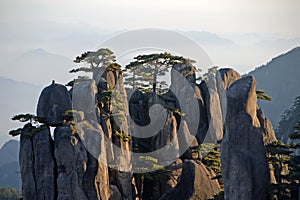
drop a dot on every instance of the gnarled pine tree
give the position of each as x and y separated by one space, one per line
147 68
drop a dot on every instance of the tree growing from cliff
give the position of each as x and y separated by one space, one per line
134 78
95 59
210 71
285 160
10 194
147 68
34 124
288 120
263 96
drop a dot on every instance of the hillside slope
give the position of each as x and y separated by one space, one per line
280 79
9 165
39 67
16 97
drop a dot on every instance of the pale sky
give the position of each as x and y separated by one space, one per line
219 16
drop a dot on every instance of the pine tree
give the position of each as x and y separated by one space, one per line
147 69
95 59
288 120
212 70
34 124
286 163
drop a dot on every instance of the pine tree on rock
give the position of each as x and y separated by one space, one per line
95 59
147 69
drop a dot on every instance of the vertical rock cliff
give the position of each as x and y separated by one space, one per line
99 126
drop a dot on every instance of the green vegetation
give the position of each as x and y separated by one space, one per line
263 96
146 69
210 71
28 117
95 59
123 136
213 161
114 67
288 120
286 166
34 125
160 172
111 98
175 111
10 194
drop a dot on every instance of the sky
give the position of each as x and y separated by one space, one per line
219 16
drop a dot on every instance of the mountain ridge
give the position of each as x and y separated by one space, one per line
279 78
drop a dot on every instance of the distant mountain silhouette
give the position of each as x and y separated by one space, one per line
16 97
9 165
39 67
210 39
9 152
280 79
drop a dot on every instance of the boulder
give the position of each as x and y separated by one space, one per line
195 183
53 102
243 155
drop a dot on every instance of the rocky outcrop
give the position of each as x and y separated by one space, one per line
84 98
44 165
266 127
37 165
53 102
26 160
96 178
224 78
167 137
243 155
93 152
72 168
195 183
214 112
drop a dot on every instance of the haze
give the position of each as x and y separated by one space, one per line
226 16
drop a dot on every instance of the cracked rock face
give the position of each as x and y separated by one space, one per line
37 166
243 155
74 164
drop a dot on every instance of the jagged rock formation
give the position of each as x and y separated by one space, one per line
225 77
214 112
37 166
243 155
94 139
266 127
